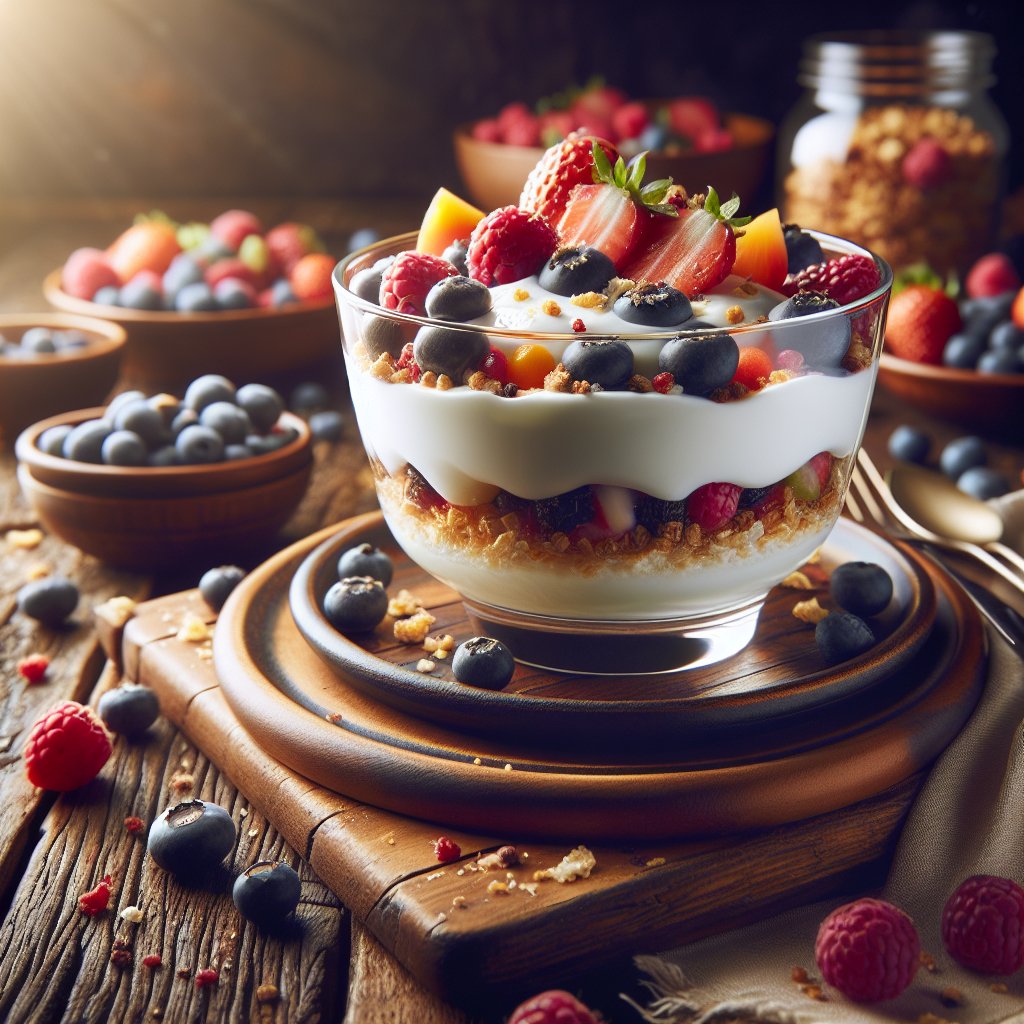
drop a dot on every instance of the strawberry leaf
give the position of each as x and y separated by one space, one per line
731 207
602 165
619 175
637 169
711 203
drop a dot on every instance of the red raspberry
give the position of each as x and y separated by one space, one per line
447 849
513 113
554 1007
508 245
152 960
983 925
95 901
34 667
488 130
408 361
578 326
523 132
927 165
411 275
992 275
562 167
206 977
713 505
66 747
868 949
844 278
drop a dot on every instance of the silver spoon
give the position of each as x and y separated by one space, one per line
934 505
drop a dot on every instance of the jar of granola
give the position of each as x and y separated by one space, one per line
897 145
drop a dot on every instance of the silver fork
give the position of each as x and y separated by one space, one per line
869 501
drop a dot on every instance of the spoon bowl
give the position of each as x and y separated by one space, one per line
939 505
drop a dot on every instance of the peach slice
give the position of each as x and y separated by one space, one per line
448 218
761 251
148 245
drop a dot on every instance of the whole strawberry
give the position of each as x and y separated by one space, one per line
993 274
508 245
921 320
562 167
983 925
868 949
406 281
845 278
66 748
553 1007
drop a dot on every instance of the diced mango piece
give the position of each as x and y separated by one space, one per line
761 251
148 245
448 218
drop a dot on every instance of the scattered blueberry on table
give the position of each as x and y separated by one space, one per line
129 709
267 892
216 584
483 662
50 600
356 604
191 837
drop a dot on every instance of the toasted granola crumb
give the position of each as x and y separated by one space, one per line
999 987
439 643
551 308
640 384
858 357
389 838
38 571
529 887
442 917
404 603
414 629
383 367
581 387
654 862
182 782
813 992
577 863
797 580
444 382
182 972
520 295
809 611
116 610
121 952
799 975
244 812
25 540
927 961
745 288
558 379
402 376
193 629
734 315
425 665
589 300
507 768
428 379
133 914
495 886
476 760
951 996
479 381
434 875
267 993
459 902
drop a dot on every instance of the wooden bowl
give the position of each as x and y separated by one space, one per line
991 403
31 389
158 518
494 172
166 350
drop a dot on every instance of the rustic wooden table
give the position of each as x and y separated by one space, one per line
55 963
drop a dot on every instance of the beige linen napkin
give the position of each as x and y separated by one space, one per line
967 819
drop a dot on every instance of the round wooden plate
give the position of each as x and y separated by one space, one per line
779 678
302 713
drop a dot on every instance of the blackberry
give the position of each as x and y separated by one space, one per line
822 343
483 662
654 305
607 363
575 270
700 365
802 249
564 512
651 512
751 496
863 588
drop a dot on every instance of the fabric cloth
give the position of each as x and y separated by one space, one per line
967 819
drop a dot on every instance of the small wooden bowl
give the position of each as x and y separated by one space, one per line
31 389
991 403
166 350
494 172
158 518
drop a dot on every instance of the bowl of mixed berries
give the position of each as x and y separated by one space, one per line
154 481
687 138
228 297
612 409
50 362
957 351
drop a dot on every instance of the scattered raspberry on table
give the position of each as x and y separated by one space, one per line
553 1007
868 949
446 849
66 748
33 668
95 901
983 925
207 977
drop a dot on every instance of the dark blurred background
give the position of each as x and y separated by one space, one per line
348 98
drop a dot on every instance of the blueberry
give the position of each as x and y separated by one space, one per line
195 298
449 351
216 584
167 405
607 363
963 351
237 452
841 636
909 444
129 709
52 439
652 512
863 588
700 365
983 483
206 390
455 254
1005 337
563 512
356 604
183 271
185 418
84 442
267 892
326 425
231 293
654 137
362 238
108 295
263 404
124 448
264 444
191 837
49 600
229 420
379 334
119 400
802 249
997 362
70 339
281 294
366 560
199 445
143 420
575 270
38 340
308 396
458 298
822 343
161 458
982 314
211 249
483 662
962 454
366 284
654 305
139 293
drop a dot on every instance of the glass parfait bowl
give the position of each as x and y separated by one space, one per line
568 523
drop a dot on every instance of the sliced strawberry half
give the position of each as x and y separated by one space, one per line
613 214
693 251
558 172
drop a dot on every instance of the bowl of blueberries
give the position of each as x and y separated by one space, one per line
50 362
154 481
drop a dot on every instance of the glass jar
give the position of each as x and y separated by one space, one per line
896 145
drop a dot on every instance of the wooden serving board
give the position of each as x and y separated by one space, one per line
451 925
